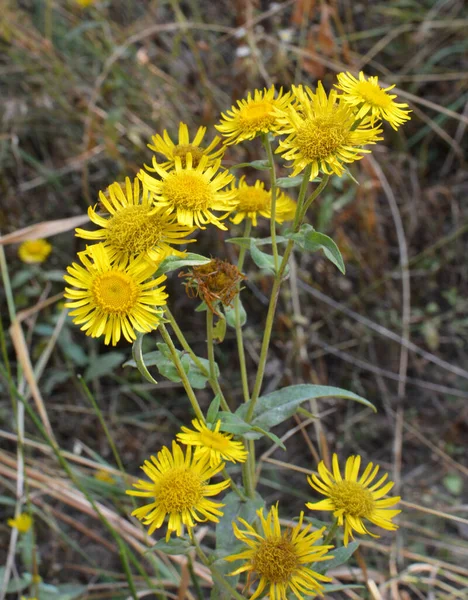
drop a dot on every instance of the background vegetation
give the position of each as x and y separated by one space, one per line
82 91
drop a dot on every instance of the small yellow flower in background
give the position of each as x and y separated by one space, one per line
22 522
370 99
279 558
179 488
192 192
135 226
31 598
34 251
213 443
254 115
165 146
85 3
112 300
255 200
105 476
352 499
320 132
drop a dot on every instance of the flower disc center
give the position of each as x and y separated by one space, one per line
179 490
319 137
353 498
373 94
182 150
187 191
253 199
115 292
276 559
133 230
257 115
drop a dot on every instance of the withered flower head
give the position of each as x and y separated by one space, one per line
216 281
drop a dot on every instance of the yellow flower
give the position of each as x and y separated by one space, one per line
212 443
192 192
105 476
279 558
369 97
255 200
85 3
179 488
34 251
135 226
24 598
22 522
165 146
113 300
254 115
322 133
352 499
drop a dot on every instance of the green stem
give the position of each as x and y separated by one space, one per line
211 359
331 534
318 190
271 162
247 478
234 486
217 576
194 578
182 374
239 336
186 346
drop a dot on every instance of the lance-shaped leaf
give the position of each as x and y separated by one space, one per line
171 263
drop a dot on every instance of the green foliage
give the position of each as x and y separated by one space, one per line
230 314
310 240
172 263
104 364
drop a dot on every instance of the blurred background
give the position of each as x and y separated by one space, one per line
84 86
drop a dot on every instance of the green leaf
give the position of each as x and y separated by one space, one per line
289 182
233 508
243 242
274 438
261 165
173 547
162 359
65 591
171 263
309 239
328 589
274 408
230 314
16 584
233 423
219 330
103 365
213 409
340 556
138 357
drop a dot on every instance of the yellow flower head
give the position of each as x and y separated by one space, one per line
22 522
105 476
179 488
255 200
85 3
279 558
371 99
165 146
192 192
352 499
254 115
322 133
212 443
112 300
135 226
34 251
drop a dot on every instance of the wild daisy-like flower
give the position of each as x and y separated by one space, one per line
215 444
192 192
255 200
279 558
34 251
352 499
321 132
165 146
135 226
254 115
22 522
113 300
370 99
179 488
